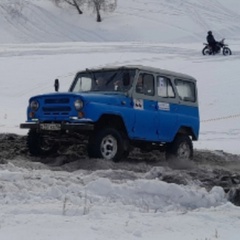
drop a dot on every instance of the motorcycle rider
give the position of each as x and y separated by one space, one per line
212 42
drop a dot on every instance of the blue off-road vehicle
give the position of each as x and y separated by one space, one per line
117 108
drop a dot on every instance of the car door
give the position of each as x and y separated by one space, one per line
167 112
145 108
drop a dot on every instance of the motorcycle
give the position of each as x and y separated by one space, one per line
220 47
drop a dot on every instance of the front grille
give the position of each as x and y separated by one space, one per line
56 100
57 109
56 106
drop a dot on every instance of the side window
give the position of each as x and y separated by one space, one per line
164 87
145 84
186 90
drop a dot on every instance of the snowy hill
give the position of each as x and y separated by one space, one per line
164 21
102 200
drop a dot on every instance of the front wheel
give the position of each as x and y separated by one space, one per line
109 144
206 51
227 51
39 144
180 148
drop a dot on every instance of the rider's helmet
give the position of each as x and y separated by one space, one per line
209 32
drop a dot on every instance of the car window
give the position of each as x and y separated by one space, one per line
145 84
186 90
164 87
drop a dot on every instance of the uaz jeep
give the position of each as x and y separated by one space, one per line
118 108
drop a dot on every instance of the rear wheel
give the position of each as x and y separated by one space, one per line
109 144
180 148
227 51
39 145
206 51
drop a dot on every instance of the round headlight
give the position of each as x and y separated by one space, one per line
34 105
78 104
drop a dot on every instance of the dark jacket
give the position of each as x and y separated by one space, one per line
211 39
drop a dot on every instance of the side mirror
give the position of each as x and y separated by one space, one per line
56 85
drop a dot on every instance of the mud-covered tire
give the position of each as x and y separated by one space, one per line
38 146
206 51
226 51
180 148
109 144
91 148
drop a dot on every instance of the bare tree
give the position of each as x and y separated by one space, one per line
96 5
75 3
104 5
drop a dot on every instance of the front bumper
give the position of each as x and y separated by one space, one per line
58 126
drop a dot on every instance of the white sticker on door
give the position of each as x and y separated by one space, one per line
164 106
138 104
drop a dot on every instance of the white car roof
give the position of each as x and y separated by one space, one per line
144 68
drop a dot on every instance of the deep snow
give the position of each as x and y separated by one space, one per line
42 43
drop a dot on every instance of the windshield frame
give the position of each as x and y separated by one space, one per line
112 80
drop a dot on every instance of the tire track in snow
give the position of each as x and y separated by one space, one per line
196 17
171 8
11 21
211 12
73 33
42 24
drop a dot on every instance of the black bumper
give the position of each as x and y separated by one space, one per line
64 126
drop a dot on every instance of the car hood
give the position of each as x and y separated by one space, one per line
103 97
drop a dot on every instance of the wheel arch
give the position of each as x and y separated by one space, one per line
111 120
184 130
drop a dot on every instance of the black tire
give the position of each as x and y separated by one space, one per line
38 145
91 148
180 148
206 51
109 144
226 51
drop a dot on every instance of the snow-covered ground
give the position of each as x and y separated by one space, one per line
42 43
46 205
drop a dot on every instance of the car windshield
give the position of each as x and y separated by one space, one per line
104 80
